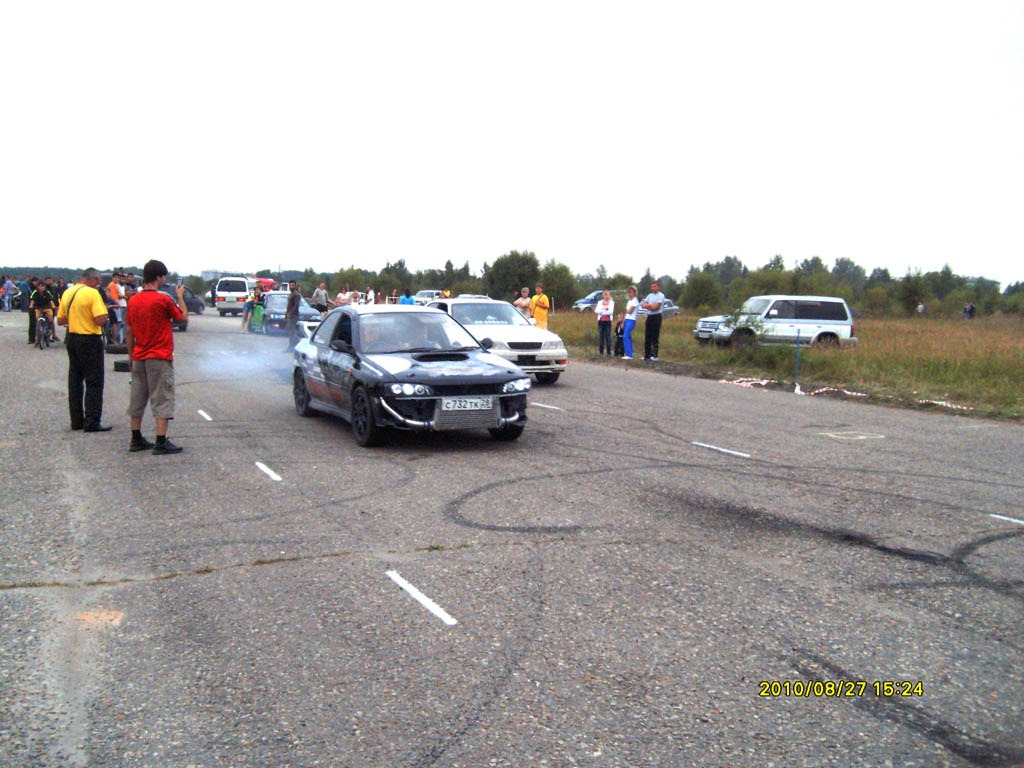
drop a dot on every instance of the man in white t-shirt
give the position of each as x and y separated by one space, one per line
652 303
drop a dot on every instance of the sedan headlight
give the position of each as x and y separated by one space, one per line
516 385
498 345
556 344
409 390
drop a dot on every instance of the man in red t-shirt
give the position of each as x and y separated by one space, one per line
151 346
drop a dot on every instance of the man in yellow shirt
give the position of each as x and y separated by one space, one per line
84 312
539 306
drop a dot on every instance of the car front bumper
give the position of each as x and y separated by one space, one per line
541 361
427 413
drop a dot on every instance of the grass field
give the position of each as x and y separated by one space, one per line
970 366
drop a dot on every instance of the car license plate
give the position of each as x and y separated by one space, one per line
466 403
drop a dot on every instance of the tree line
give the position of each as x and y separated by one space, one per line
713 287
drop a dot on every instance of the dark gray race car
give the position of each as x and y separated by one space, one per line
383 366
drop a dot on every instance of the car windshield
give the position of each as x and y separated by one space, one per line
412 332
278 302
488 313
425 294
754 306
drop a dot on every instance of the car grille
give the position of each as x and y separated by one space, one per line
705 325
524 344
467 419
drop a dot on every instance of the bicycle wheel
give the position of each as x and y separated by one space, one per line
41 338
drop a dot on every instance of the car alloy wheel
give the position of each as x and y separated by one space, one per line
367 433
301 394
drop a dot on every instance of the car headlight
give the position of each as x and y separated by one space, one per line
516 385
409 390
556 344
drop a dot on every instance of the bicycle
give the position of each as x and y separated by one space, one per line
44 332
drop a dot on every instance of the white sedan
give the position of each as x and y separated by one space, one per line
514 338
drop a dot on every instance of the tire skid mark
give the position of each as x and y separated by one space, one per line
915 718
954 562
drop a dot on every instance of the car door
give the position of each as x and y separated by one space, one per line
780 323
336 364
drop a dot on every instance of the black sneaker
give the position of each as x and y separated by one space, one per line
142 444
165 447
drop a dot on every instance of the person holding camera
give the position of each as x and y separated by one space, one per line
151 348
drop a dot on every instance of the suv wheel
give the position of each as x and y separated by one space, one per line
742 337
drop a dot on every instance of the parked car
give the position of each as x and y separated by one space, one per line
668 309
820 320
588 301
275 303
194 304
513 337
426 296
397 366
231 293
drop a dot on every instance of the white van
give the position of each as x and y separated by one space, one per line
821 320
231 294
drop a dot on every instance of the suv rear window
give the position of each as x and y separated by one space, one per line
820 310
232 286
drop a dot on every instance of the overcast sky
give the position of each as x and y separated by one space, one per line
247 135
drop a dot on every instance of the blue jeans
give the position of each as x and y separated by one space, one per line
604 337
627 336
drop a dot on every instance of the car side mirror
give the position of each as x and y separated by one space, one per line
773 313
531 320
340 345
486 343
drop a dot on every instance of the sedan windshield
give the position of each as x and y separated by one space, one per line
278 302
488 313
412 332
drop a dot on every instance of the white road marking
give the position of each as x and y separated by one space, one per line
1011 519
204 414
852 435
549 407
422 599
269 472
722 450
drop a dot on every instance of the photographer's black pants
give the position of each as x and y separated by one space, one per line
85 379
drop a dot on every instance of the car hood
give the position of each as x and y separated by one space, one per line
507 333
433 366
715 319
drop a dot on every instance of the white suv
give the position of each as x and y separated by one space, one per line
821 320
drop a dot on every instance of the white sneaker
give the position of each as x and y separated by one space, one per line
654 359
627 357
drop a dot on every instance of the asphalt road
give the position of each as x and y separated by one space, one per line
620 587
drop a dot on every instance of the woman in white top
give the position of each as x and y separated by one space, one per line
632 305
605 311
